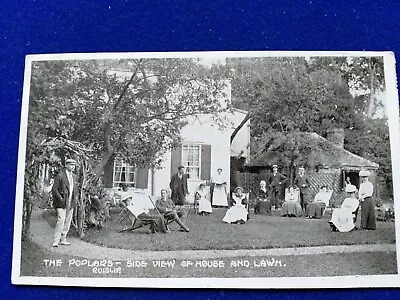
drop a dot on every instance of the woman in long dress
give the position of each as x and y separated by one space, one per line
316 208
291 207
342 217
368 218
263 204
219 193
237 214
203 199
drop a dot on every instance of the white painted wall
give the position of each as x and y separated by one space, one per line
241 144
202 130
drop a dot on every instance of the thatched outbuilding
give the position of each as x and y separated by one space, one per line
325 159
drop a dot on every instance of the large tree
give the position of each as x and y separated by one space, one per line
134 108
284 96
281 94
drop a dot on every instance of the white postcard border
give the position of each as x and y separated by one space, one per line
392 107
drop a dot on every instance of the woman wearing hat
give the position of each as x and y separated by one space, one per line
368 220
343 218
237 214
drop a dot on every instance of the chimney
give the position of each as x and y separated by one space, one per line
336 136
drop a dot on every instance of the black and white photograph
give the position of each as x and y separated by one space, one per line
208 170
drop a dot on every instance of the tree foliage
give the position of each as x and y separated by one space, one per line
134 108
286 96
282 95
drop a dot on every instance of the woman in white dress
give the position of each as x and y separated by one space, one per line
237 214
219 193
342 218
202 197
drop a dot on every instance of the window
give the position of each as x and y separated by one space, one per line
191 159
123 173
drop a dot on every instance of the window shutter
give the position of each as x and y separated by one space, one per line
205 162
108 173
142 178
176 159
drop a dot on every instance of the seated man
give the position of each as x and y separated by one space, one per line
157 222
167 208
343 218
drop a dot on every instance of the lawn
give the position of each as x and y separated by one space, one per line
334 264
209 232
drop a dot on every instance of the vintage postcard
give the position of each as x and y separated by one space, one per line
209 170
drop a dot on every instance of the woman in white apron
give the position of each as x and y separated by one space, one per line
219 193
237 214
203 199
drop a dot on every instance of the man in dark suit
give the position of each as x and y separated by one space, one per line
65 197
167 208
276 183
178 186
302 182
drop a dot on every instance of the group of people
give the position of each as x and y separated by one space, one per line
297 202
343 218
218 195
269 197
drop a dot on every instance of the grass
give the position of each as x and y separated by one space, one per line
340 264
209 232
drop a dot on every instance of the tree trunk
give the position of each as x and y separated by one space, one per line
26 218
237 129
371 100
82 204
98 170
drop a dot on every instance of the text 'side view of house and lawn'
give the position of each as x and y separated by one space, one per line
214 166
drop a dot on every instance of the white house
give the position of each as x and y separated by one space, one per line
203 150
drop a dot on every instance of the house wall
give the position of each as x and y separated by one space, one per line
241 144
199 130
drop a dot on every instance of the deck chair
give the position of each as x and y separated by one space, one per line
139 203
326 199
136 222
124 214
355 214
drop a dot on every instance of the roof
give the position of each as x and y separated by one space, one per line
313 150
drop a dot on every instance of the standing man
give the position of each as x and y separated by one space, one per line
368 220
65 197
178 186
276 182
302 182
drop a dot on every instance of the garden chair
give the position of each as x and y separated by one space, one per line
124 214
355 214
326 199
137 221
